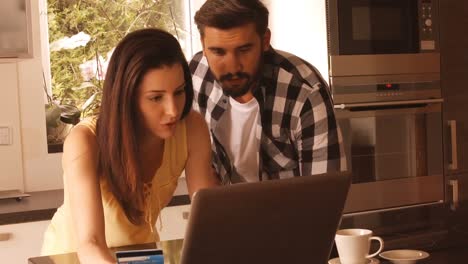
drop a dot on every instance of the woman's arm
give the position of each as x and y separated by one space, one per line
198 170
79 162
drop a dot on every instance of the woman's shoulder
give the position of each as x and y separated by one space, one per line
197 129
88 122
194 120
82 138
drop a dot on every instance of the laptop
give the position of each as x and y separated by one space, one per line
280 221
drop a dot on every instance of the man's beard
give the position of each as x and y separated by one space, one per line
235 91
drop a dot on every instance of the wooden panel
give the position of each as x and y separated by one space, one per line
458 215
454 80
454 74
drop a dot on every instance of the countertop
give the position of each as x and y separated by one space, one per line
172 250
39 206
42 205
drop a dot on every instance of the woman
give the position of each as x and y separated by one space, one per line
122 169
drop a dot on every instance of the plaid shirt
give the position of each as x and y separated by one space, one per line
297 131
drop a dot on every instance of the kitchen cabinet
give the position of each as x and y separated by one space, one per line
18 242
15 29
454 81
11 159
174 222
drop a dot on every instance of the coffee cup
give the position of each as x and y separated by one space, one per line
353 245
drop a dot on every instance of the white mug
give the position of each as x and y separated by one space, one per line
354 244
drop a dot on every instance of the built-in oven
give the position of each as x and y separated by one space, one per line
373 37
394 151
392 133
384 68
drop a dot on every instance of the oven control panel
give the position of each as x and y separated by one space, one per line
385 90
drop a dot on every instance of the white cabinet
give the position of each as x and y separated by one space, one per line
174 222
18 242
11 159
15 28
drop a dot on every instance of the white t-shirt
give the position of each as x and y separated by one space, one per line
237 130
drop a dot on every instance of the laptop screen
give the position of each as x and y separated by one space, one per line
142 256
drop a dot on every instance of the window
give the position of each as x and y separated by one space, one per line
82 35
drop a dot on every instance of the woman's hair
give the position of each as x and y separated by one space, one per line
117 125
227 14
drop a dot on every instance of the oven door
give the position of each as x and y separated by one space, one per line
378 26
394 151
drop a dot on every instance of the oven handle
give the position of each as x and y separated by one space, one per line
410 102
453 165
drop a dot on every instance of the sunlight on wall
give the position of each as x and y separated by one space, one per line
299 27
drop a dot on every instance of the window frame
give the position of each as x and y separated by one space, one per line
192 45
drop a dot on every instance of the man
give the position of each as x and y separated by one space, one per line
269 112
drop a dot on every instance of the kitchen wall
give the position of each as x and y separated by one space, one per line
298 26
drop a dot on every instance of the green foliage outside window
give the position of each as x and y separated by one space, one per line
78 71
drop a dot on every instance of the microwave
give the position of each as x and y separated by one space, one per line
383 37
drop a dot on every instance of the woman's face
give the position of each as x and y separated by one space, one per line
161 100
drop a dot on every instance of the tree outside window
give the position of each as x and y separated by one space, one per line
82 36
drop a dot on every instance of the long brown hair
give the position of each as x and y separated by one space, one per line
227 14
117 124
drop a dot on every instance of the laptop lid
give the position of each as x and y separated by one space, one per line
279 221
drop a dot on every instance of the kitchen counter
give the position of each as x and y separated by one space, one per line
39 206
173 248
42 205
448 256
72 258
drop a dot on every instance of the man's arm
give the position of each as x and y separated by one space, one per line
205 96
317 136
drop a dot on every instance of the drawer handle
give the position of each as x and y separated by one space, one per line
185 215
5 236
455 195
453 165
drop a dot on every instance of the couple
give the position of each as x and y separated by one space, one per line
269 115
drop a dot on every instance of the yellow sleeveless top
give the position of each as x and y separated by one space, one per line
59 238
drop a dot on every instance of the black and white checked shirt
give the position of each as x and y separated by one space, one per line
297 130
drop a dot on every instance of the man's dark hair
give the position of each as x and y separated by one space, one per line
227 14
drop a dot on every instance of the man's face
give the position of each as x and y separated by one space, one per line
234 56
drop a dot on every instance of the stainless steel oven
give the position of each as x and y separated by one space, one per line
394 152
384 67
392 132
375 37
